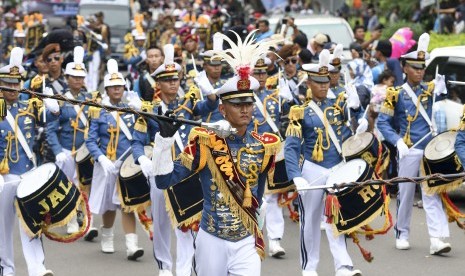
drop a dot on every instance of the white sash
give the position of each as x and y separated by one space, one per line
122 125
21 139
57 86
262 110
327 125
177 137
82 117
414 98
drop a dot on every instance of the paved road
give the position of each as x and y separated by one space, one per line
84 258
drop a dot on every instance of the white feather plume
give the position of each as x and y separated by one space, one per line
16 56
337 53
168 50
324 58
244 53
112 66
217 42
78 54
423 42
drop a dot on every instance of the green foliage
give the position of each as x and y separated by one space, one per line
445 40
416 28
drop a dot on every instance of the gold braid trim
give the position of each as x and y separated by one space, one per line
295 115
171 214
444 188
389 104
141 125
3 109
94 112
129 208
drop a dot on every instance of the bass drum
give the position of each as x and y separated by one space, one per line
133 186
84 165
358 205
440 157
367 147
45 198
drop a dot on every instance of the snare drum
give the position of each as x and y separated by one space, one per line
133 186
440 157
367 146
184 201
358 205
84 165
280 182
45 198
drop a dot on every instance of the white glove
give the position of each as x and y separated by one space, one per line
205 87
134 101
440 85
146 166
61 158
402 148
51 104
284 91
222 128
162 160
353 101
362 126
143 55
107 165
300 183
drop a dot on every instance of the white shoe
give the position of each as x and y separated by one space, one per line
402 244
47 273
91 234
133 251
344 271
165 272
275 250
72 226
309 273
438 247
107 240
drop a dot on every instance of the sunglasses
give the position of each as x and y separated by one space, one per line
290 61
56 58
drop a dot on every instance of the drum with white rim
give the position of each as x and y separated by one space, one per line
45 198
84 165
439 156
368 147
358 205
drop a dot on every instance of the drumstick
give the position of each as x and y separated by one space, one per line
421 140
457 82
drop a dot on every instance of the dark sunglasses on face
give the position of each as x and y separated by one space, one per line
56 58
290 61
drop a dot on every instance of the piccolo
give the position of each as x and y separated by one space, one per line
218 128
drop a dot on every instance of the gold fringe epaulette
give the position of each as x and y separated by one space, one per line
3 109
295 115
95 95
203 136
141 125
389 104
271 82
36 82
271 142
193 93
94 112
147 106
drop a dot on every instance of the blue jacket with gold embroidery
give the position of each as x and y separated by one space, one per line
398 108
317 145
240 158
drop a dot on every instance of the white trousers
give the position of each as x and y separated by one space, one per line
436 219
274 219
69 167
92 77
311 206
162 237
215 256
103 190
32 248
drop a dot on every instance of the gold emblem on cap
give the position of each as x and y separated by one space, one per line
323 70
170 67
421 55
78 67
14 70
336 62
260 62
243 84
114 76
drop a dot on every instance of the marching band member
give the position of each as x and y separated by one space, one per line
109 142
321 126
66 134
135 52
405 121
53 57
233 170
17 132
335 74
190 45
167 81
145 84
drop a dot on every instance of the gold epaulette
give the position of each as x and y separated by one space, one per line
203 138
193 93
36 82
3 109
389 104
147 106
34 104
301 75
95 95
270 141
430 88
295 115
203 135
271 82
141 125
94 112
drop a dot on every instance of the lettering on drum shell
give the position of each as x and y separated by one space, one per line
55 197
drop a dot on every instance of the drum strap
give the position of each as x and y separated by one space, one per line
57 86
265 114
414 98
21 139
82 117
149 79
122 125
329 128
